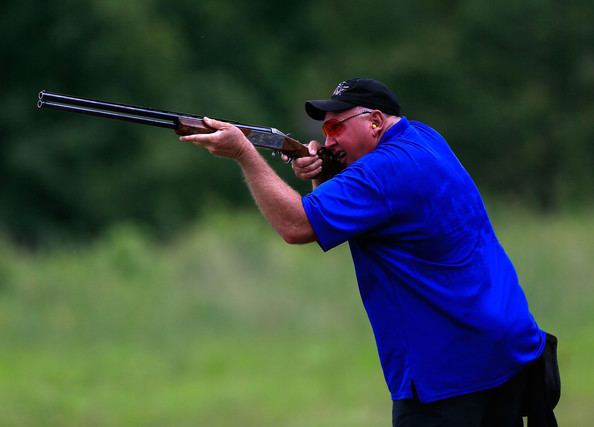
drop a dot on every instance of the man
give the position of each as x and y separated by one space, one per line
451 322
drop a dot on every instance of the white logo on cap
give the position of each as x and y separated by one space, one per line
341 88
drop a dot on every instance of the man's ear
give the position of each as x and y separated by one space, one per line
377 117
377 121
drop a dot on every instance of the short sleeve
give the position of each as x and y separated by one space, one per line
346 206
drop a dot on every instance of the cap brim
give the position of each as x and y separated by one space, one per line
317 109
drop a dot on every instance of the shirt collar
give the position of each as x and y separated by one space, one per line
395 130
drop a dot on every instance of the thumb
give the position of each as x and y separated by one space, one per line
212 123
313 147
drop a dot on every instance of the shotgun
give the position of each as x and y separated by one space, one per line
188 124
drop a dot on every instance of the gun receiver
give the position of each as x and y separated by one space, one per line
188 124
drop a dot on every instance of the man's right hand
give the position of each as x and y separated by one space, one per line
307 168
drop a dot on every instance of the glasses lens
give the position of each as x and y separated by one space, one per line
332 128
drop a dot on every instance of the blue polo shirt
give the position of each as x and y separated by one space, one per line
442 296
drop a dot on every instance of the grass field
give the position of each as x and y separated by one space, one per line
227 325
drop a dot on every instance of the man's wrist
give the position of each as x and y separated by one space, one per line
247 155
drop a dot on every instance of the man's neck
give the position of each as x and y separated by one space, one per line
391 121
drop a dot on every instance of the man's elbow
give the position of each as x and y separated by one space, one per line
296 236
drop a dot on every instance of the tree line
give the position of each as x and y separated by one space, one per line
509 84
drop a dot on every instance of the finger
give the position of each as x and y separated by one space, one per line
311 174
314 166
307 163
198 138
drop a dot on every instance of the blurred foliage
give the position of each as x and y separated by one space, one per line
509 84
130 332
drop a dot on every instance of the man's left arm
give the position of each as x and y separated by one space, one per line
279 203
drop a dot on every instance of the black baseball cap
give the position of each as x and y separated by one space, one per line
356 92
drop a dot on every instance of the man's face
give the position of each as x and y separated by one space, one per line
348 133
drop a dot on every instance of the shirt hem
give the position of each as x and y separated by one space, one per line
460 392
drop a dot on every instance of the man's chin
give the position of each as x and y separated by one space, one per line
342 158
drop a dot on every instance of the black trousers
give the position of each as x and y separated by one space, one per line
533 393
498 407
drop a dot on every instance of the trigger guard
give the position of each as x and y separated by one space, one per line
277 154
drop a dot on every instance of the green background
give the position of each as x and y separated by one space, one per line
138 284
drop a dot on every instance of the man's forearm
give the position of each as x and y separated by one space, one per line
279 203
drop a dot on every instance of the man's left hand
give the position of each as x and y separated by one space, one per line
226 140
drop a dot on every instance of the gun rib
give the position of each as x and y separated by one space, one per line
169 124
132 110
109 106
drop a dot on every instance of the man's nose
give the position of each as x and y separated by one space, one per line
329 142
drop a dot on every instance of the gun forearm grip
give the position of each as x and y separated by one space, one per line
191 126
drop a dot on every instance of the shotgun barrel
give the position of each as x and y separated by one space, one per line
105 110
186 124
126 112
